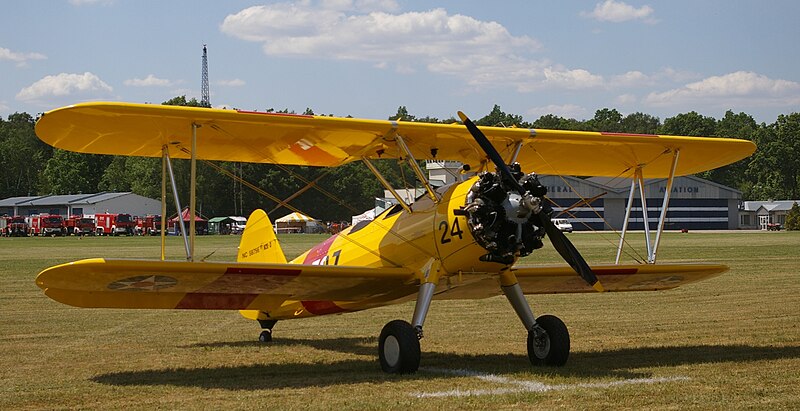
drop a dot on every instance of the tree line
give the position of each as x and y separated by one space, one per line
31 167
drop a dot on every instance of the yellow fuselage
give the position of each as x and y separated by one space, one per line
431 241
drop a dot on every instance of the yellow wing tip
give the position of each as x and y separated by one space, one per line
598 287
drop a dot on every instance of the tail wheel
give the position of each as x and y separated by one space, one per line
398 348
550 348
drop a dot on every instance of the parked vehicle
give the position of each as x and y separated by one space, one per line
17 226
563 224
115 224
47 224
148 225
80 225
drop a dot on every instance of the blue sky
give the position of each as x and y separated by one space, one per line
367 57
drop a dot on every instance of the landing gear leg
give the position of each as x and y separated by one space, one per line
266 334
398 345
548 337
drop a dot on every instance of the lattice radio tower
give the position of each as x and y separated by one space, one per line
205 99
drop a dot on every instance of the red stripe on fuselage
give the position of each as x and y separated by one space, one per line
319 251
321 307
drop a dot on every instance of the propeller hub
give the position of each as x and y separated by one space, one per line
502 220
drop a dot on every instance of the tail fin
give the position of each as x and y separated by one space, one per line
259 243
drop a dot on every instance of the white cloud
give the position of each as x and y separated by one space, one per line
572 79
76 86
90 2
20 58
625 99
483 54
360 5
618 12
565 110
149 81
230 83
741 87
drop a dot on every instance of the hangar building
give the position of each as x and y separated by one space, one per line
81 204
695 203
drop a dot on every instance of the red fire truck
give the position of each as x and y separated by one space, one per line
115 224
16 227
46 224
148 225
80 225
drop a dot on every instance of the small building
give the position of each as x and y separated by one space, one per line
81 204
758 215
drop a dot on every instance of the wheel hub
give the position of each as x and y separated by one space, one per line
391 350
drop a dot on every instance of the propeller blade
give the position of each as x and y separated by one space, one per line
490 151
560 241
569 253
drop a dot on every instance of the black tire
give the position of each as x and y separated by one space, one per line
265 336
398 348
553 350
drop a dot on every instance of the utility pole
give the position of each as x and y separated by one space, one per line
205 99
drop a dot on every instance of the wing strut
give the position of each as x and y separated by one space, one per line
386 184
638 178
163 231
412 162
177 204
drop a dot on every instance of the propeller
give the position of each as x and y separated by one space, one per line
560 241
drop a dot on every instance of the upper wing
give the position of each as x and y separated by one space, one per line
142 130
102 283
562 279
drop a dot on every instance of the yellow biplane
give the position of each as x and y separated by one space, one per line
459 241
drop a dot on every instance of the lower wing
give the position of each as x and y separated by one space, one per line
102 283
562 279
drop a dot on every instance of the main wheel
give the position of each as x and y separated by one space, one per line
398 348
265 336
551 349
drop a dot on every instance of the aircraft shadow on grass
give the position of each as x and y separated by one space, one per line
614 363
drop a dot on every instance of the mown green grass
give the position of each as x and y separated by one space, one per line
734 341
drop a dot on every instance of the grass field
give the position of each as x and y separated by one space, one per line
729 342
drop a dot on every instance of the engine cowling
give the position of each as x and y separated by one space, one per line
501 220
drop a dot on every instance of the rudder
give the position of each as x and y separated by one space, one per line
259 244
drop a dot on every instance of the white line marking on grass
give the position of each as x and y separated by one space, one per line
518 386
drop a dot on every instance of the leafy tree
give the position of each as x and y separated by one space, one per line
22 156
402 115
553 122
793 217
774 170
115 177
741 126
66 173
498 118
609 120
690 124
181 101
640 123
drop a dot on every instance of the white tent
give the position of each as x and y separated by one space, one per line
295 218
296 223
